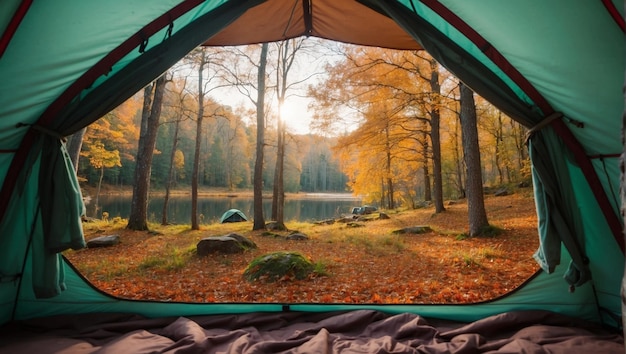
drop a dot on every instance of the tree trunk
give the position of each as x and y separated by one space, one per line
259 219
278 195
390 189
138 219
96 204
278 171
195 225
475 199
170 175
498 147
286 57
458 162
435 120
428 195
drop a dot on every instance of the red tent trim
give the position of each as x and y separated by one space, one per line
491 52
614 12
9 32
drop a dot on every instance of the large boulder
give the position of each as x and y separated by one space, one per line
246 242
226 244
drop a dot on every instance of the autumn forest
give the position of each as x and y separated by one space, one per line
393 127
385 125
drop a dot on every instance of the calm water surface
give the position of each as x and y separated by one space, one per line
303 207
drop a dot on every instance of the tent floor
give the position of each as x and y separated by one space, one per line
361 331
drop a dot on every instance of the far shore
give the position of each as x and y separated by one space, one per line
212 192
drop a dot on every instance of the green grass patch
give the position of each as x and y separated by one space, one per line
174 258
476 256
377 245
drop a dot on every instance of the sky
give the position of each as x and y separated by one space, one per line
309 65
295 111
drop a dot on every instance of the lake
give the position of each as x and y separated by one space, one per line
301 207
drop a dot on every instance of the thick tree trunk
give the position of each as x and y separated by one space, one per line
475 199
138 219
259 219
170 175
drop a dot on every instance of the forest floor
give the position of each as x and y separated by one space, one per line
368 264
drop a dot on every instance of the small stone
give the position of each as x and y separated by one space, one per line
501 192
297 237
413 230
104 241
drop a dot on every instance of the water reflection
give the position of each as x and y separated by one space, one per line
305 207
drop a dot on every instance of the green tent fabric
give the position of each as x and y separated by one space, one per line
66 63
559 217
233 215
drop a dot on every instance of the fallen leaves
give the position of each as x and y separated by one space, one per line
364 265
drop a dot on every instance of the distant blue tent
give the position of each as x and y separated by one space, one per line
233 215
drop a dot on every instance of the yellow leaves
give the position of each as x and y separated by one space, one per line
100 157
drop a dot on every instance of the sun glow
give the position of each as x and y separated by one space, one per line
295 114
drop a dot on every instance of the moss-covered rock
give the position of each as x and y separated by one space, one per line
278 265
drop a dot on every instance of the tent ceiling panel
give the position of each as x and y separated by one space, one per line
342 21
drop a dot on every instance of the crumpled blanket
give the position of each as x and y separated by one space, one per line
359 331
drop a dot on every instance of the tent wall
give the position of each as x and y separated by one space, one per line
70 61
